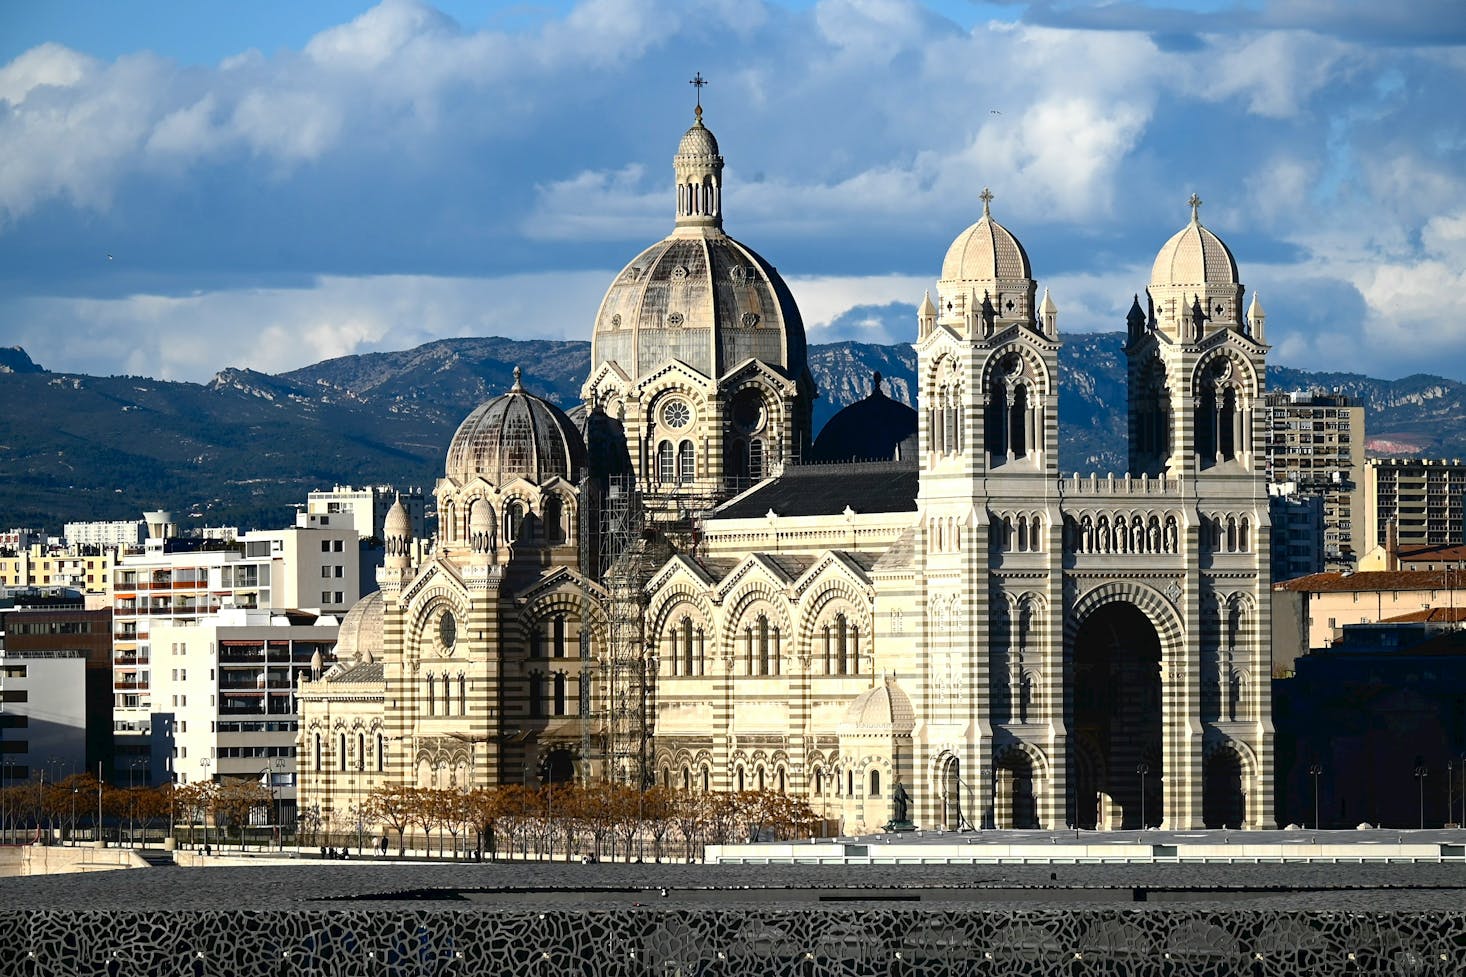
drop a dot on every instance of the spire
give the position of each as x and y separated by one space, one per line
1254 311
875 385
1194 202
1136 315
927 308
1047 306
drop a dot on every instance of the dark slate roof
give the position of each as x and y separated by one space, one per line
827 490
901 555
367 672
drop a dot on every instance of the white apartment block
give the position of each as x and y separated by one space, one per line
105 534
1422 496
179 583
1315 441
364 509
224 691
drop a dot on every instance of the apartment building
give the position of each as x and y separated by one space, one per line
365 509
1421 496
178 582
1315 440
126 532
43 722
223 693
38 565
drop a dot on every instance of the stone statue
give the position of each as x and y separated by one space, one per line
900 809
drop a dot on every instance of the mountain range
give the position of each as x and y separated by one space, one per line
246 446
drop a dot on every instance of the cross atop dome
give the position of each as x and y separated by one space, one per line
697 82
987 198
1194 202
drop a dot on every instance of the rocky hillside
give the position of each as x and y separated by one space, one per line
245 447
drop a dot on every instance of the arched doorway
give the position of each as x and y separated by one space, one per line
1223 803
954 803
1017 805
1117 719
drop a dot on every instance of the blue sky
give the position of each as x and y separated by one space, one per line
187 186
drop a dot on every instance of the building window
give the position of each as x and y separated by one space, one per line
559 693
432 696
361 751
875 783
686 463
462 695
665 471
341 746
559 626
381 753
536 695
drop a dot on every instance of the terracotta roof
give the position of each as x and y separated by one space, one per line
1453 552
1440 615
1372 580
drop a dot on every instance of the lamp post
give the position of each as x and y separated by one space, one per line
1315 771
138 764
204 797
1142 769
1462 822
74 791
1421 772
270 767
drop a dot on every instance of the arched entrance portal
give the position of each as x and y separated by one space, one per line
557 767
1117 720
1223 804
1017 804
955 803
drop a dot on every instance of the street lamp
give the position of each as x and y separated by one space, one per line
1142 769
74 791
204 762
137 764
1315 771
1421 772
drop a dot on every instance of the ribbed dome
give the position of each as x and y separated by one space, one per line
1194 256
398 522
359 638
884 708
867 430
704 299
698 141
986 251
516 435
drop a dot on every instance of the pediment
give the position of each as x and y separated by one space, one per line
754 566
608 375
673 372
830 563
680 568
760 370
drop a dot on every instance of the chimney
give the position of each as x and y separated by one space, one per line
1392 546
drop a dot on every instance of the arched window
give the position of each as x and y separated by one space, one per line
536 694
686 779
666 471
819 781
361 751
687 645
756 458
318 751
875 783
447 696
559 633
559 693
341 743
537 639
842 644
783 782
513 520
462 695
740 779
706 779
555 528
1018 423
850 783
762 628
381 753
686 463
432 696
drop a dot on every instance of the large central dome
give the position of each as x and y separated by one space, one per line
699 296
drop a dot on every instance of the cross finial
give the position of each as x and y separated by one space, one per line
987 198
697 82
1194 202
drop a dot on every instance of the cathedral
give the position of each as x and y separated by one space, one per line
678 584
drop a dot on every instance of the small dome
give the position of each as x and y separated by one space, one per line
516 435
986 251
1194 256
398 522
605 442
867 430
884 708
481 519
359 638
698 141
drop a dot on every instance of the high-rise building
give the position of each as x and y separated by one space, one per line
223 688
1421 496
1297 532
1315 441
127 532
179 581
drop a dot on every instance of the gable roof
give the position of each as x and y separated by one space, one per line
1372 580
828 490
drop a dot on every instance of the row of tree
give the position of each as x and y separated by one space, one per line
67 805
596 820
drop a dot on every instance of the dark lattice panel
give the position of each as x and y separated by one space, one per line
896 943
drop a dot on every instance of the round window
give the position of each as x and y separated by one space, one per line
447 630
677 414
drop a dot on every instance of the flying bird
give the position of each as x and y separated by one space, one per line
109 255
